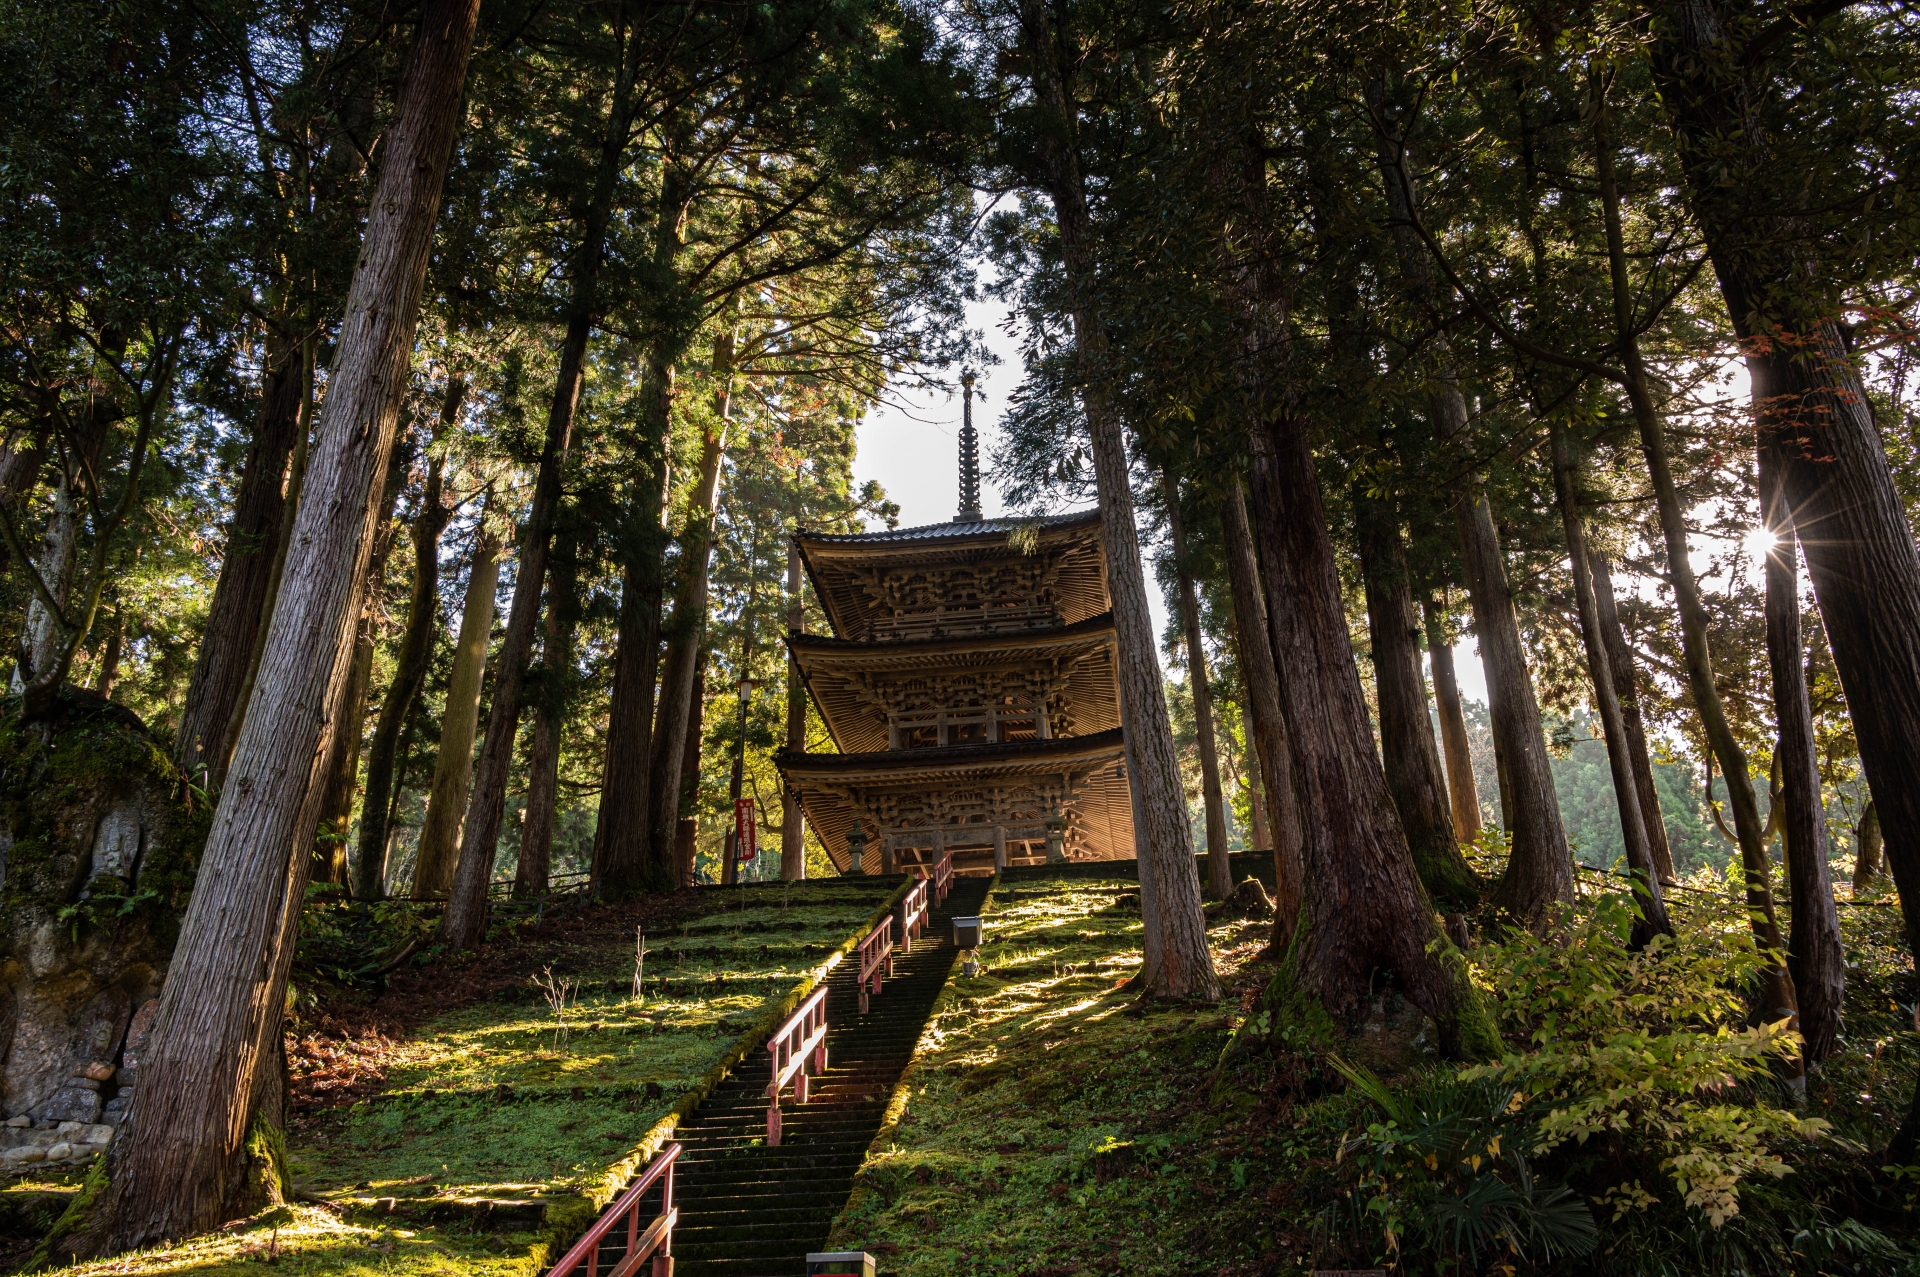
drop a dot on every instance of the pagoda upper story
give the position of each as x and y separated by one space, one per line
969 689
954 580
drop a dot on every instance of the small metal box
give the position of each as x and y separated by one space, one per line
966 933
858 1263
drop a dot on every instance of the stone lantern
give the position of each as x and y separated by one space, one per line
1056 839
856 848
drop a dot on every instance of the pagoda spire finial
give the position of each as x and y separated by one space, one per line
969 457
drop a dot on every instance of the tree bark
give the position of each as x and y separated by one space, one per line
1463 795
793 851
687 831
1540 866
1811 406
1365 912
624 862
1627 692
433 862
110 657
1695 650
1869 865
622 866
342 772
688 627
343 758
1267 724
1186 964
1412 763
410 668
173 1169
1626 794
1251 777
1219 866
533 869
464 923
1814 952
240 595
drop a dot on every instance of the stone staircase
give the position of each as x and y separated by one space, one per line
747 1210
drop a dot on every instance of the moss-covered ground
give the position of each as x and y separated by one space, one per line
507 1095
460 1083
1054 1126
1051 1125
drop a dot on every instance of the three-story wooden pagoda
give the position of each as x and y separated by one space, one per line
969 689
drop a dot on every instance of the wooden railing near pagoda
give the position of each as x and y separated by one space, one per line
605 1252
941 876
876 954
913 915
798 1048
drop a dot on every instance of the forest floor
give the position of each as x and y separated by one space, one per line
420 1111
1053 1126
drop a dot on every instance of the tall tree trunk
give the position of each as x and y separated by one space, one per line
1186 965
686 833
1696 653
793 851
622 866
1870 864
1412 763
1267 724
240 595
1627 692
1365 911
342 772
174 1169
433 861
1219 866
533 870
688 627
1626 794
624 862
1814 952
465 920
1540 867
1463 795
409 668
110 657
1251 777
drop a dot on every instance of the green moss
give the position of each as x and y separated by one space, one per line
1045 1104
49 771
73 1220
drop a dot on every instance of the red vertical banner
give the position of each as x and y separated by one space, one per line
745 830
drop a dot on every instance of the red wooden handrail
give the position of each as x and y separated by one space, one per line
798 1046
942 879
913 915
654 1242
876 953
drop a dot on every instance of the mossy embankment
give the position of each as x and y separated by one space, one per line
1052 1125
459 1122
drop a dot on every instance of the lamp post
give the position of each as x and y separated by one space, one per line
730 871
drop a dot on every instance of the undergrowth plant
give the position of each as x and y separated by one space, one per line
1643 1056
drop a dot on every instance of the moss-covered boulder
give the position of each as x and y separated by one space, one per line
99 838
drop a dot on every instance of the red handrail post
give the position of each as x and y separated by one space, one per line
799 1044
654 1242
876 951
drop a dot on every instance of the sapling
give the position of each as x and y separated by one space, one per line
640 952
558 993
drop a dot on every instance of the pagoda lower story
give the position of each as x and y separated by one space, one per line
989 805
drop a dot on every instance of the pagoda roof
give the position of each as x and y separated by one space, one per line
834 789
839 673
844 567
995 528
